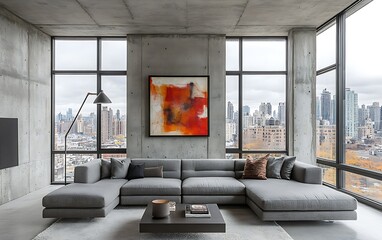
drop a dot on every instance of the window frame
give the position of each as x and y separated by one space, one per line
98 73
340 66
240 73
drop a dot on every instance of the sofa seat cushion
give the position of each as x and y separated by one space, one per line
84 195
212 186
290 195
152 186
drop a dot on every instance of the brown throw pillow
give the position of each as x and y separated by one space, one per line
256 168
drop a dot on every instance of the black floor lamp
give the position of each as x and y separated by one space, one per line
100 99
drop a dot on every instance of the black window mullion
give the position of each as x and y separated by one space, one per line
340 92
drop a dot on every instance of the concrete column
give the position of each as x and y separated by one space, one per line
302 93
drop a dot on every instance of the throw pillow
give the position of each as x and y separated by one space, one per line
286 169
257 168
119 167
136 171
274 167
105 169
154 172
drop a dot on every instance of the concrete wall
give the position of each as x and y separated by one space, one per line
25 94
175 55
302 94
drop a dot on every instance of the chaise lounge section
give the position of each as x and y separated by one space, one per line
301 198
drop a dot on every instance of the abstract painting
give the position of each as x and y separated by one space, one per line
179 105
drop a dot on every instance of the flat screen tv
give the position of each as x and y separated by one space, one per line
9 154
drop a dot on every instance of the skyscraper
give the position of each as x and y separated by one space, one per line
333 110
230 110
118 114
69 114
351 113
269 108
375 115
265 108
363 114
325 104
246 110
106 124
318 108
281 113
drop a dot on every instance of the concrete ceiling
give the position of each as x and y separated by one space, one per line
121 17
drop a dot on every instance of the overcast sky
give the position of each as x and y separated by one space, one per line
263 55
363 54
82 55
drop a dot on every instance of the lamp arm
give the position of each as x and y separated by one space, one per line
71 125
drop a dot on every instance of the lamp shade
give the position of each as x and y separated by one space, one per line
101 98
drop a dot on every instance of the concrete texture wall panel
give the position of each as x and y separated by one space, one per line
134 96
216 69
39 174
39 57
25 94
40 132
170 55
14 103
15 182
302 79
14 46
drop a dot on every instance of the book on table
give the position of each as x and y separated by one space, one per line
197 210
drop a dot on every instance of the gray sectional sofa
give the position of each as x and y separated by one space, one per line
203 181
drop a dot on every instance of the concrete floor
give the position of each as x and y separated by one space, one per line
21 220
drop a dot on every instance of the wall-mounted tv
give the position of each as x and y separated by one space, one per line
9 154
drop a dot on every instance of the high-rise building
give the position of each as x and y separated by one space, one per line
363 114
265 108
80 124
375 115
246 110
333 109
118 115
325 104
230 110
281 113
351 113
69 114
318 108
106 124
269 108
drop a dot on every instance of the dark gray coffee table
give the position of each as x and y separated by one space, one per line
178 223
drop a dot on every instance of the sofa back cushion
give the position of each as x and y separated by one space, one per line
171 167
208 168
239 168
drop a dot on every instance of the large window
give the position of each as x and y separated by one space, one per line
81 66
348 64
326 94
256 96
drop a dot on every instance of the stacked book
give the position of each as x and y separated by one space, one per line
197 210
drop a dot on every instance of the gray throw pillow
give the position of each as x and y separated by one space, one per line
119 167
154 172
274 167
286 169
105 169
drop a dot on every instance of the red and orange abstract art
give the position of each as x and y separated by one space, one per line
179 106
